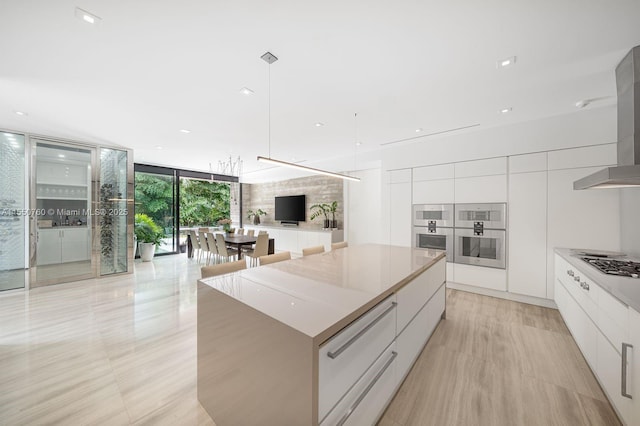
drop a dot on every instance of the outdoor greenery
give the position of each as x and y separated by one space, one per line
147 231
201 203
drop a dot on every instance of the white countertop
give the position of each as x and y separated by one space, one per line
288 228
318 295
625 289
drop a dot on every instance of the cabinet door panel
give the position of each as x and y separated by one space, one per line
74 245
48 247
400 214
528 234
433 192
609 371
482 189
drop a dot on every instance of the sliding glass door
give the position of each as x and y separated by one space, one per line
155 197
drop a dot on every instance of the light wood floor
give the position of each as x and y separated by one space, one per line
122 350
496 362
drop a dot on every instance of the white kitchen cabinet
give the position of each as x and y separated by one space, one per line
481 189
295 239
602 335
433 184
485 167
527 248
583 219
480 276
61 173
434 191
526 163
586 156
61 245
633 372
400 214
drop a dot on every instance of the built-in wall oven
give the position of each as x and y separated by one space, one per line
433 227
480 234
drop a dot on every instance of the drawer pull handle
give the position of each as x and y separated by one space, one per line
337 352
625 346
367 389
569 272
576 278
584 285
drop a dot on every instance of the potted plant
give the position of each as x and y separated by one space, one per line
149 236
226 225
255 215
332 208
320 209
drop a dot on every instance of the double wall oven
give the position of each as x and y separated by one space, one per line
433 227
473 234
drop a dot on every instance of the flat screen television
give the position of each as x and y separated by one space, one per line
291 209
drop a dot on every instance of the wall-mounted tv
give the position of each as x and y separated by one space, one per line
291 209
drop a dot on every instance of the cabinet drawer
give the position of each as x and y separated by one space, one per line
368 398
348 354
412 297
583 291
412 339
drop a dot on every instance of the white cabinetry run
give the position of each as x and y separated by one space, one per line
64 244
295 239
607 333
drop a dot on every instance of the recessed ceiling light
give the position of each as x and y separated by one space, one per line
319 124
158 147
506 62
87 17
419 130
21 113
506 110
185 131
61 155
246 91
358 143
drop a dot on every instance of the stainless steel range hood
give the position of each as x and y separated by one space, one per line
627 172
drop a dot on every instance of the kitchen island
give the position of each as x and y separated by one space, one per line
323 339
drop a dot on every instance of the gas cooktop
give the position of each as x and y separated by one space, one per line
621 268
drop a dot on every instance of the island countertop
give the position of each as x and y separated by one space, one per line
320 294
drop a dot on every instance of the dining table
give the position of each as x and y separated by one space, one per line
245 240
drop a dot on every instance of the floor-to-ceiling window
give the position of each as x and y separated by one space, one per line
175 199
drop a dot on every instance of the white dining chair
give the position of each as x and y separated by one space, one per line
251 232
213 247
195 245
226 254
261 249
204 246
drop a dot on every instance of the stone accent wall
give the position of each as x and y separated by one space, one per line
318 189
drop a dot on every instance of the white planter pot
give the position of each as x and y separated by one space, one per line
147 250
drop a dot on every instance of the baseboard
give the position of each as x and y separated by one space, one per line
547 303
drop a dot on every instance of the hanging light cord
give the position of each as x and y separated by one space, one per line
269 105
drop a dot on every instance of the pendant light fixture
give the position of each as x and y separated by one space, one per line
270 58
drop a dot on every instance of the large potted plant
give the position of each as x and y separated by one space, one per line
149 236
255 215
226 225
320 209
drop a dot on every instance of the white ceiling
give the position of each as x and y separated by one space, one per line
151 68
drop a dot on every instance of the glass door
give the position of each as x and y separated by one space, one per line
13 212
61 193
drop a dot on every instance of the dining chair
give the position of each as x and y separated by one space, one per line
251 232
240 231
273 258
261 249
195 244
203 229
223 268
312 250
335 246
204 246
225 253
262 232
213 247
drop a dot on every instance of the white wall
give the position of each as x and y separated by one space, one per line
630 220
363 217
